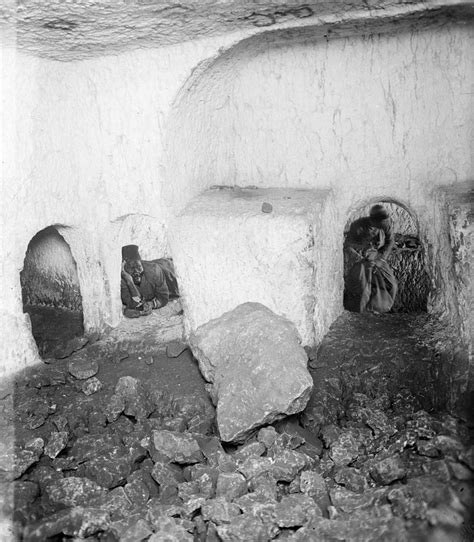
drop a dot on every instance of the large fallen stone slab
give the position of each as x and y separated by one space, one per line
257 367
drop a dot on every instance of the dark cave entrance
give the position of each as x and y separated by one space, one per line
407 260
50 291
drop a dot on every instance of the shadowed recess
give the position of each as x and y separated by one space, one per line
408 258
50 290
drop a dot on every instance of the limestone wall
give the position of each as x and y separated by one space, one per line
81 147
377 117
113 148
366 116
452 296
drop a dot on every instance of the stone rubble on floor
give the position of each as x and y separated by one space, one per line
364 461
81 367
73 345
175 348
127 476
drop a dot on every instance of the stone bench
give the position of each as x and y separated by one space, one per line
275 246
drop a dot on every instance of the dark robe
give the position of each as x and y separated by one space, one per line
370 284
158 282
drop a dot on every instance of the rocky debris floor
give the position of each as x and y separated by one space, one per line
116 441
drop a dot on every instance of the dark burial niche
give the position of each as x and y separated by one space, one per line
407 260
50 291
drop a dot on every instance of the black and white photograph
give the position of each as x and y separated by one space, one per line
237 277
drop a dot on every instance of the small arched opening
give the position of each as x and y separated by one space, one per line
155 290
147 284
50 291
407 259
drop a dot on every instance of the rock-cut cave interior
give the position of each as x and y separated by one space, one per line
237 299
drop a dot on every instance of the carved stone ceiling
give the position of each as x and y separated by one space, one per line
76 29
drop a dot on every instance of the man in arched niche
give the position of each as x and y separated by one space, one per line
145 285
370 284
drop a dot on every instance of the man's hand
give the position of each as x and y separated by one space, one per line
133 291
370 256
126 276
148 306
379 261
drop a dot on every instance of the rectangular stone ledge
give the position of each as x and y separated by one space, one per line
453 296
232 245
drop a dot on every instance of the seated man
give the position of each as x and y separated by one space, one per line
370 284
145 285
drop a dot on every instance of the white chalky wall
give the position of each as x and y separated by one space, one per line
81 143
228 251
99 144
373 117
362 115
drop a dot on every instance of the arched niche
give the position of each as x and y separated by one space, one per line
408 259
148 232
50 290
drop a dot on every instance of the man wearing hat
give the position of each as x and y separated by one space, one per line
370 284
145 285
